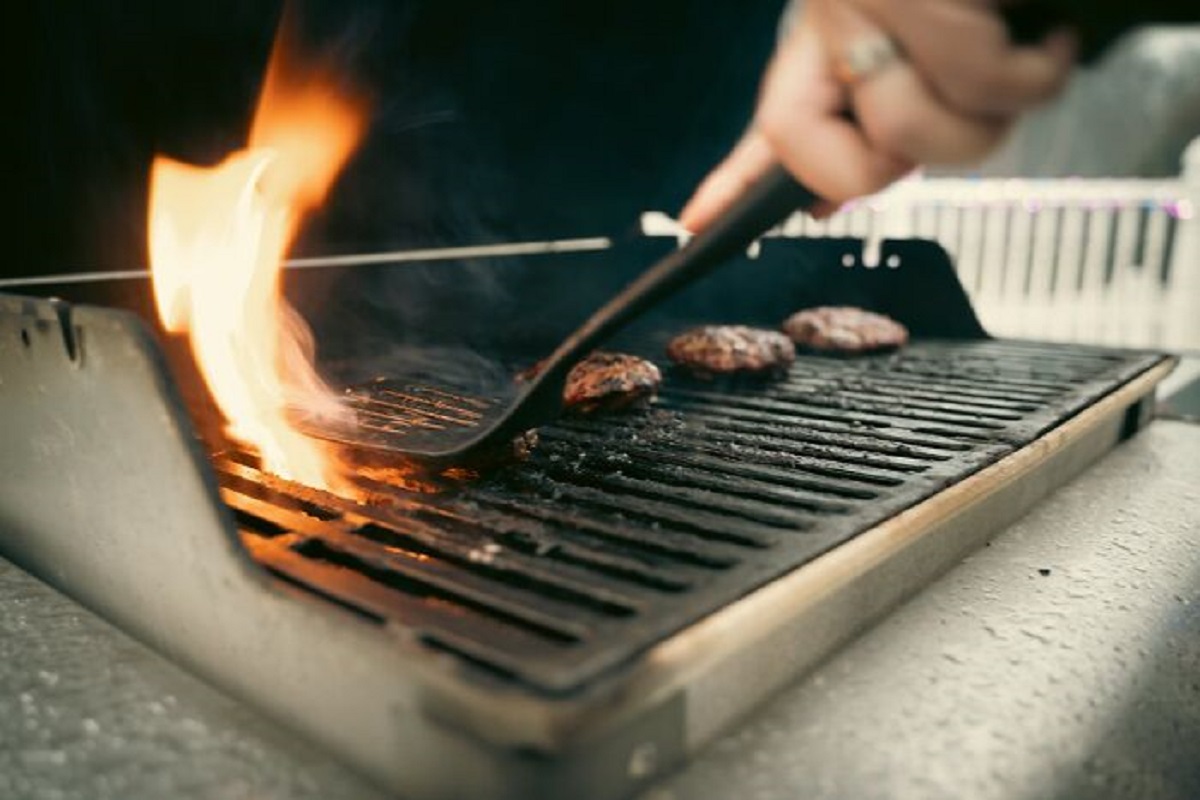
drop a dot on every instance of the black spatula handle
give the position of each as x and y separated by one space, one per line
767 203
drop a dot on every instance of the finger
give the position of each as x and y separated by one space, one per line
1008 81
965 54
746 163
902 116
1034 74
897 109
801 116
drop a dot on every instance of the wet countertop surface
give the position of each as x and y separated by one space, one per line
1061 660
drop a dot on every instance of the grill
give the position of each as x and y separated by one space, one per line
621 530
576 623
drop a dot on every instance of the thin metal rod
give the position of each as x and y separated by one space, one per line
592 244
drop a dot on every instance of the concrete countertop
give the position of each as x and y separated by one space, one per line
1061 660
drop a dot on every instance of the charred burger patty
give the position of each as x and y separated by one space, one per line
610 382
731 349
844 329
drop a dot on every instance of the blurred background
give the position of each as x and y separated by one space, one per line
522 119
491 121
536 119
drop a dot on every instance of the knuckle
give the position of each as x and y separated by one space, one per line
959 91
895 131
866 175
863 181
977 90
850 183
976 142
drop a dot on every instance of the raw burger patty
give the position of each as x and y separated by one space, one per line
843 329
731 349
609 382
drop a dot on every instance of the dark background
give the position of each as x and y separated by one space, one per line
491 121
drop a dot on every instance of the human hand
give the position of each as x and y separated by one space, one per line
949 100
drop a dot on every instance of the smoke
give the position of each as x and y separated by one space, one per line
305 390
447 366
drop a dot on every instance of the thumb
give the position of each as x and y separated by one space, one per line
749 160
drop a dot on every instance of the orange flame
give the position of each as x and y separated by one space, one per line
217 240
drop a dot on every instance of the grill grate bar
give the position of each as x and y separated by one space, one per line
665 458
244 483
688 470
1031 350
934 391
1029 374
909 411
751 442
485 636
535 544
693 498
767 431
784 452
849 413
594 560
991 374
865 384
419 575
534 535
837 474
530 533
953 384
247 475
707 524
727 439
658 540
480 563
945 406
489 566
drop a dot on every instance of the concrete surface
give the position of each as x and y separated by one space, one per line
86 713
1063 660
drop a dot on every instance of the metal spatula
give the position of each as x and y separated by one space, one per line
432 425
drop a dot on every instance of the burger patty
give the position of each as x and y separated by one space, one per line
844 329
610 382
731 349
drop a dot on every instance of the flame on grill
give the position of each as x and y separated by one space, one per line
218 237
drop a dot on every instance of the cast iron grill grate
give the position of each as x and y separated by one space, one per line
620 530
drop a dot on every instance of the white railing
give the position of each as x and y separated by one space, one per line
1100 261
